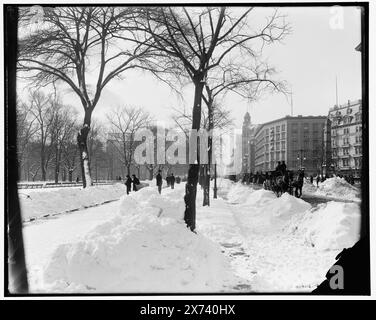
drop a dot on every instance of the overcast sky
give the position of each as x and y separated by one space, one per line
310 59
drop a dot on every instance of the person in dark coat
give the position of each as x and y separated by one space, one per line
128 183
135 182
172 180
311 179
317 180
159 181
178 179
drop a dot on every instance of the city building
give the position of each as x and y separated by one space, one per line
346 138
296 140
248 144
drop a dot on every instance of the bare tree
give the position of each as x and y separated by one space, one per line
43 110
67 46
124 123
62 128
26 128
193 42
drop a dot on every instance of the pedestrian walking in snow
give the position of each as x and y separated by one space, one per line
317 180
311 179
128 183
159 181
172 180
136 182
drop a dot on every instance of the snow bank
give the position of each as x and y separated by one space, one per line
330 226
38 203
145 248
287 206
238 193
260 198
334 187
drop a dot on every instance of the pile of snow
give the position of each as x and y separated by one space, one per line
330 226
145 248
260 198
238 193
287 206
38 203
334 187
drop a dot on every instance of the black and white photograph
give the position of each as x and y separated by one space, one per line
187 149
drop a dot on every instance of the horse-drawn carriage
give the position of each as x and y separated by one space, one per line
280 182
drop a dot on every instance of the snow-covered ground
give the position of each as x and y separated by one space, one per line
247 240
335 187
37 203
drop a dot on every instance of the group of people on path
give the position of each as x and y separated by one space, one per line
132 181
169 179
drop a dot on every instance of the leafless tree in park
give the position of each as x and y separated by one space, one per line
124 123
62 128
42 108
96 144
196 40
26 128
212 117
248 79
69 45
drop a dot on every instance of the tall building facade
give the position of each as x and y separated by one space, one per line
248 144
296 140
345 139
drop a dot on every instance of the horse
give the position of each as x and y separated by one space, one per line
298 184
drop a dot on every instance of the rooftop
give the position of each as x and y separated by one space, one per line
346 105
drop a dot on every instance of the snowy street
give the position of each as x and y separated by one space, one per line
247 241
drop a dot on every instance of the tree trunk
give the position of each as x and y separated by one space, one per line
193 170
57 164
84 154
206 185
215 182
207 167
42 166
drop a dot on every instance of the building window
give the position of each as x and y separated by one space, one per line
278 128
283 127
345 151
345 162
277 146
283 135
283 145
278 136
